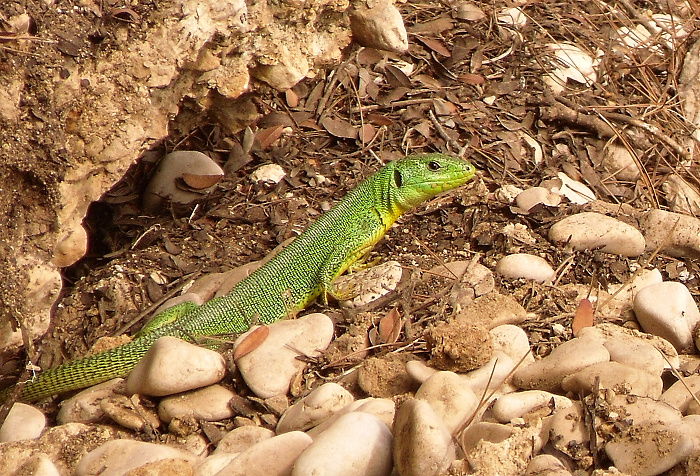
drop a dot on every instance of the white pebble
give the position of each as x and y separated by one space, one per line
668 310
172 366
568 358
357 444
662 445
268 369
450 397
379 25
568 427
619 161
382 408
645 409
214 463
512 341
645 278
129 412
615 376
164 183
271 457
545 464
209 403
269 173
422 444
591 230
39 464
84 407
636 353
117 457
523 265
681 196
677 235
419 371
484 431
677 395
369 284
496 373
23 422
311 410
241 438
517 404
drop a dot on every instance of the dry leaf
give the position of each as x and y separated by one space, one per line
395 77
339 128
583 317
267 136
390 327
436 46
367 133
379 120
467 11
432 27
469 78
291 98
200 182
251 342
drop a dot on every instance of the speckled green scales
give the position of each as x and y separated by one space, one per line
301 272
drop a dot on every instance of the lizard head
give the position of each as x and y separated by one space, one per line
417 178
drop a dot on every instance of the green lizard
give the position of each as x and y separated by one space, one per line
301 272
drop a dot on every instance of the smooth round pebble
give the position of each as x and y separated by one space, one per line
241 438
450 397
311 410
369 284
117 457
643 409
512 341
636 353
593 231
209 403
271 457
570 357
523 265
269 368
650 448
615 376
545 464
214 463
379 26
269 173
515 405
172 366
39 464
568 427
422 444
485 431
676 234
23 422
129 412
84 407
382 408
677 395
495 374
357 444
174 167
668 310
618 160
419 370
646 277
681 196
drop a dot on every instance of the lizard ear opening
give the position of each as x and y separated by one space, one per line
398 180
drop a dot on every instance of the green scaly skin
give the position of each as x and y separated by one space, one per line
285 285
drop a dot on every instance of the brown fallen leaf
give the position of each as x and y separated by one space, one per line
267 136
339 128
436 46
395 77
200 182
367 133
388 330
583 317
469 78
251 342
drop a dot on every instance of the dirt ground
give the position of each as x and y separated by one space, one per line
469 86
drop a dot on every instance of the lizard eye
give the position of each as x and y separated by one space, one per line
432 165
398 180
